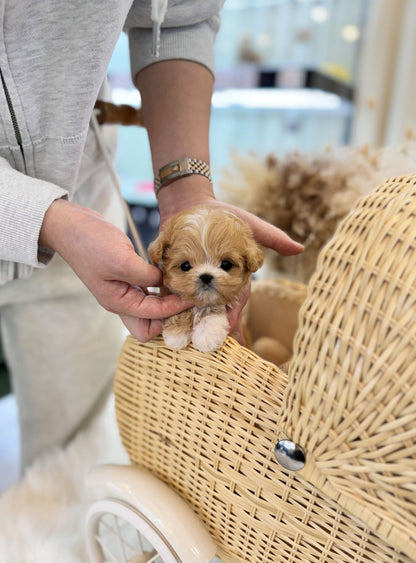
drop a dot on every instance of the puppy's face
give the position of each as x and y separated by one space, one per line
207 255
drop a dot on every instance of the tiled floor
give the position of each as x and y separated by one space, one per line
9 442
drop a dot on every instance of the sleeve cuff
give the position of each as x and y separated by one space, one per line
23 204
194 43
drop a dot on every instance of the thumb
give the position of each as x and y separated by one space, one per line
137 271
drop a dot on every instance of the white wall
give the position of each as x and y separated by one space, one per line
386 102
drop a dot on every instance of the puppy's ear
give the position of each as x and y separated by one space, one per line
157 248
254 256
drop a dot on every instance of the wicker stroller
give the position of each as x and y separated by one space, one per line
233 458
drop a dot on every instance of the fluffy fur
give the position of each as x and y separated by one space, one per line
43 515
207 256
307 194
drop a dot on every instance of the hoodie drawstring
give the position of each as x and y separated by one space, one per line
159 9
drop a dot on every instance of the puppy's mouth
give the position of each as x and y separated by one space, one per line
206 289
211 292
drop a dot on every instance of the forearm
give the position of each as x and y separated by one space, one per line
176 102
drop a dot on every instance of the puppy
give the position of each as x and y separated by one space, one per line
207 256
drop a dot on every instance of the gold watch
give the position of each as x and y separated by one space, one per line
178 169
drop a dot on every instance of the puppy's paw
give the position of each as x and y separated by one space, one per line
176 340
177 330
210 333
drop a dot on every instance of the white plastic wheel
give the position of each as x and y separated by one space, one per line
119 533
135 499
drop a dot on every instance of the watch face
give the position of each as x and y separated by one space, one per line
178 169
174 169
168 171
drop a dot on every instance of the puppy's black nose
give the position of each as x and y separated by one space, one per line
206 278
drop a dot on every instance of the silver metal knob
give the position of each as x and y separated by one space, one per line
289 455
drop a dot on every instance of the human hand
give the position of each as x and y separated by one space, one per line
104 259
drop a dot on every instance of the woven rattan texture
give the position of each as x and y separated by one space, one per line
206 425
352 390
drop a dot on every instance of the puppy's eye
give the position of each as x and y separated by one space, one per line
226 265
185 266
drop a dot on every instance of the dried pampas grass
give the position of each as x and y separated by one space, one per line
307 194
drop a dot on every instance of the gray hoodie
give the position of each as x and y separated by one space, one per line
53 60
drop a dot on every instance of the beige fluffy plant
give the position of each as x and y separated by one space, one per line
307 194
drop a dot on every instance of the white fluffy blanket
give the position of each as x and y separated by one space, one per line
42 516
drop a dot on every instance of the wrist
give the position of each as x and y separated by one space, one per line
183 193
59 222
52 220
180 169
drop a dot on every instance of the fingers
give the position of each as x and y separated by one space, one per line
154 307
267 234
125 299
276 239
238 333
235 317
234 314
148 322
137 272
142 329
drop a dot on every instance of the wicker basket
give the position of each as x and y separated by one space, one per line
207 424
271 318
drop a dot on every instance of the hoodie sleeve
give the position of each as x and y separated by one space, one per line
19 232
187 31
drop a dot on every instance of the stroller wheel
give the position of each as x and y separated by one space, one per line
118 532
140 519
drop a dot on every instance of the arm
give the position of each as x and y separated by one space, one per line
176 103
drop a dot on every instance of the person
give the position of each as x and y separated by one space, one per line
68 272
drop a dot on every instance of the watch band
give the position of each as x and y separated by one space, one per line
178 169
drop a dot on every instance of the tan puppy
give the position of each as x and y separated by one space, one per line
207 256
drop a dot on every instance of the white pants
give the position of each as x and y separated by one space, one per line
61 347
